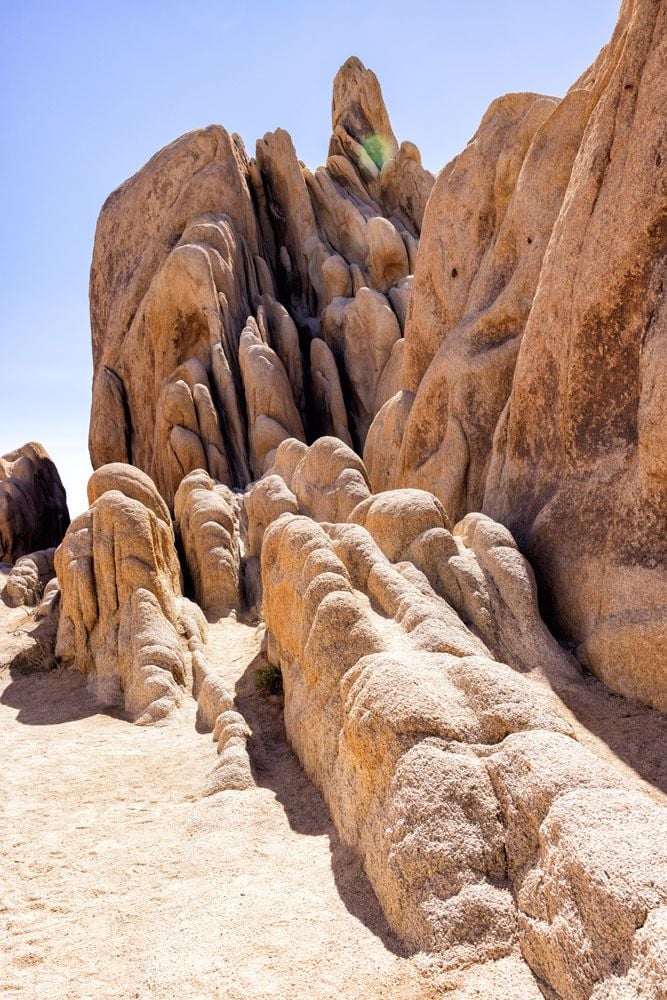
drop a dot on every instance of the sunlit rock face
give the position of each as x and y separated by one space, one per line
420 695
533 380
123 620
237 302
362 401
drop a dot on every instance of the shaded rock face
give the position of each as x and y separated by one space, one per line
123 619
238 302
532 385
207 522
484 825
33 505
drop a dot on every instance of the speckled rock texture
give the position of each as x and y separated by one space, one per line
233 300
532 385
207 524
486 828
28 579
123 619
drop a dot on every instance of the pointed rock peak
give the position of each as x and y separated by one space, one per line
358 110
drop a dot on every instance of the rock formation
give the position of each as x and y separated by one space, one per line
122 612
28 579
238 302
206 516
484 825
493 344
533 372
33 506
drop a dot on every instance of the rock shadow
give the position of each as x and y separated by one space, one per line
51 697
633 732
276 767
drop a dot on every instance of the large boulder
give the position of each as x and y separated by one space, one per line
33 504
533 370
123 619
578 471
486 829
218 281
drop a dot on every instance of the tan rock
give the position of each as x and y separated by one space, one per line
481 821
212 694
285 459
28 579
341 218
535 353
202 172
383 443
329 272
122 612
397 517
264 502
283 337
576 473
387 260
272 413
203 244
329 481
207 523
361 333
405 186
233 771
284 180
49 606
474 287
330 415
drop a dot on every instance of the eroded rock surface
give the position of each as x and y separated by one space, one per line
123 619
235 301
207 522
33 505
28 579
533 367
484 824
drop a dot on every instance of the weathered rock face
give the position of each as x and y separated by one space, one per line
122 612
207 522
248 326
592 513
29 577
484 825
234 301
33 505
534 353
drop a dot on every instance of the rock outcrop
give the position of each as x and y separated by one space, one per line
494 343
234 301
207 523
123 619
33 505
533 362
484 825
28 579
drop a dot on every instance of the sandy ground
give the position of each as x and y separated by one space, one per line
118 878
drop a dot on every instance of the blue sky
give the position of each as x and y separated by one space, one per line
89 91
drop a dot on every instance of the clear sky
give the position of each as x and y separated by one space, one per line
90 90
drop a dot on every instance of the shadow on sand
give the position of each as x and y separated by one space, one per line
276 767
44 693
